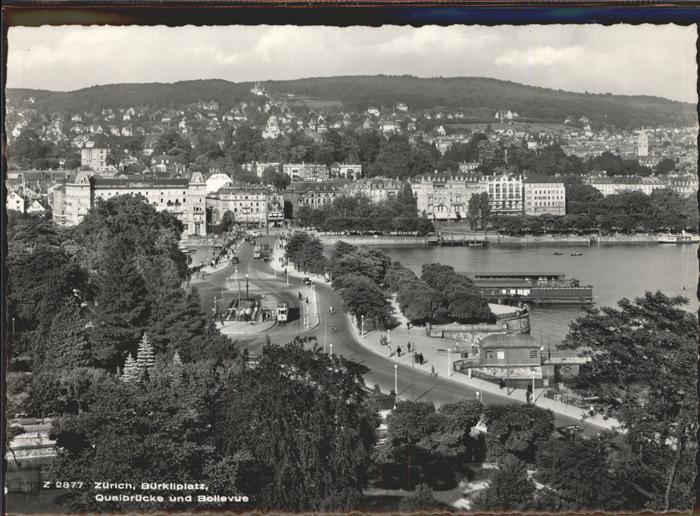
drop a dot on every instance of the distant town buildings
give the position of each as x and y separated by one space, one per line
306 171
376 189
642 144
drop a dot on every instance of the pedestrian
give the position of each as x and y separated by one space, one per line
432 371
408 346
501 383
421 358
591 411
408 325
527 396
398 351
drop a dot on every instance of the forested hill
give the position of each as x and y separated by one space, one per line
477 97
483 97
154 95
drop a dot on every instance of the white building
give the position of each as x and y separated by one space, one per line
251 205
183 197
36 208
346 170
446 196
306 171
615 185
14 201
505 194
544 196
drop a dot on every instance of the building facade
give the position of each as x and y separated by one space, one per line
544 197
616 185
446 196
377 189
14 201
505 194
251 205
312 194
306 171
346 171
184 198
93 156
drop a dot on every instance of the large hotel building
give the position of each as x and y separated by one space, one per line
184 197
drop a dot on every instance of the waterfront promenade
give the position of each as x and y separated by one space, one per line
435 352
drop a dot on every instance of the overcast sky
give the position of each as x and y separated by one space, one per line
646 59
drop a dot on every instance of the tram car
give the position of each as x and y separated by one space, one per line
282 312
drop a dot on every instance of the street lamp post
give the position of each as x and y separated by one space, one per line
388 336
13 326
362 326
478 396
396 383
325 333
247 296
449 361
213 308
330 347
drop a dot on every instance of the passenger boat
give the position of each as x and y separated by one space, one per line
558 253
576 253
683 238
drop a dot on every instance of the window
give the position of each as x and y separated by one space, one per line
533 353
500 355
489 355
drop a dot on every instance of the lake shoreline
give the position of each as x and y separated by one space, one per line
495 240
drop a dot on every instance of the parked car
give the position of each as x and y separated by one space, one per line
307 281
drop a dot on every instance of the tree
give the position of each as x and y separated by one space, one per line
67 343
420 500
363 298
509 489
228 220
172 144
665 166
152 430
121 310
642 361
580 474
473 211
484 209
301 415
515 429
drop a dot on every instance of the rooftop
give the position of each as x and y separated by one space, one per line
509 340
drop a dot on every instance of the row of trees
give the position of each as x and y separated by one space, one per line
440 295
361 215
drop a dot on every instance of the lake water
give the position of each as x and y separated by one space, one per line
615 271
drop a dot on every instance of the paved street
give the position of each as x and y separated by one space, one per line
334 329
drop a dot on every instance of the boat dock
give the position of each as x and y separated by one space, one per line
464 241
532 287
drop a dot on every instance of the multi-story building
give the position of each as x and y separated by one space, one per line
377 189
446 196
183 197
306 171
544 196
346 171
247 202
685 185
251 205
505 194
94 155
312 194
615 185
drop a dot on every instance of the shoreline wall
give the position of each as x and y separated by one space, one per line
495 240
